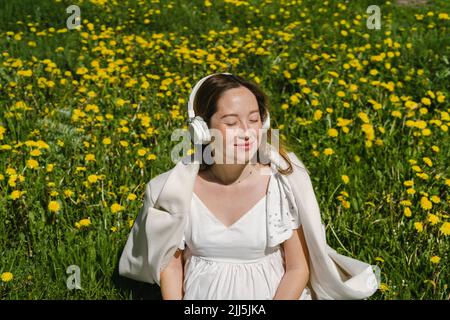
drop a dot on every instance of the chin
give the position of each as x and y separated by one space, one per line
244 158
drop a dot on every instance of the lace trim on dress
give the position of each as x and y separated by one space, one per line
282 212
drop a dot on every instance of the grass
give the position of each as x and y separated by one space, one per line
126 76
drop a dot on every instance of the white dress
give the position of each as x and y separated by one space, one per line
231 263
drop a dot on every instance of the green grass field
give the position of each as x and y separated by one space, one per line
86 117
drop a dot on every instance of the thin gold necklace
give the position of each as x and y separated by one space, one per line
239 181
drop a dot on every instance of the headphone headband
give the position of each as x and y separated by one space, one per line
191 112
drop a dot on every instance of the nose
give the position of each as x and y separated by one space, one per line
244 132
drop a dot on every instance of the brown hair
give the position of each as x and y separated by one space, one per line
205 105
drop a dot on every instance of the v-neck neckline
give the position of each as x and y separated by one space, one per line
210 213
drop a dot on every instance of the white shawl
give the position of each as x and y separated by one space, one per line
159 229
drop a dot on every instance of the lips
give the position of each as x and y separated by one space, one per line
243 145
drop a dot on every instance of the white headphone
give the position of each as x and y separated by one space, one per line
198 128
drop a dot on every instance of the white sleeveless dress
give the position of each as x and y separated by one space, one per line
231 263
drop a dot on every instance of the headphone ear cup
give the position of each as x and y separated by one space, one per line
199 131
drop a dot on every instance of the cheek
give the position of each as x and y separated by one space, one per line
228 135
221 132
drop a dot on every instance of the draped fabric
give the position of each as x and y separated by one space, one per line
159 229
282 212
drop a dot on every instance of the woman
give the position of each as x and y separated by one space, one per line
234 228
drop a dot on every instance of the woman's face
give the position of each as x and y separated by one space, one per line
237 123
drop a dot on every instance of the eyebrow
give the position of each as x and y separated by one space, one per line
236 115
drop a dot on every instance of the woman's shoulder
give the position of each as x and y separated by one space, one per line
155 185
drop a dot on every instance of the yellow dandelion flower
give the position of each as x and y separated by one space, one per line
405 203
92 178
396 114
410 191
427 161
115 207
7 276
435 199
82 71
328 151
131 197
53 206
5 146
408 183
423 176
410 104
426 101
384 287
25 73
345 179
16 194
35 152
418 226
32 164
364 117
345 204
435 259
445 228
83 223
68 193
447 182
54 193
426 132
332 132
407 212
294 100
120 102
89 157
142 152
432 218
318 115
425 203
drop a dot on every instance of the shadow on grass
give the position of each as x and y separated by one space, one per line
139 290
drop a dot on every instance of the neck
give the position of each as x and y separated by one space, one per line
229 174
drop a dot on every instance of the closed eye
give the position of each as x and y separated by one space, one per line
234 123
